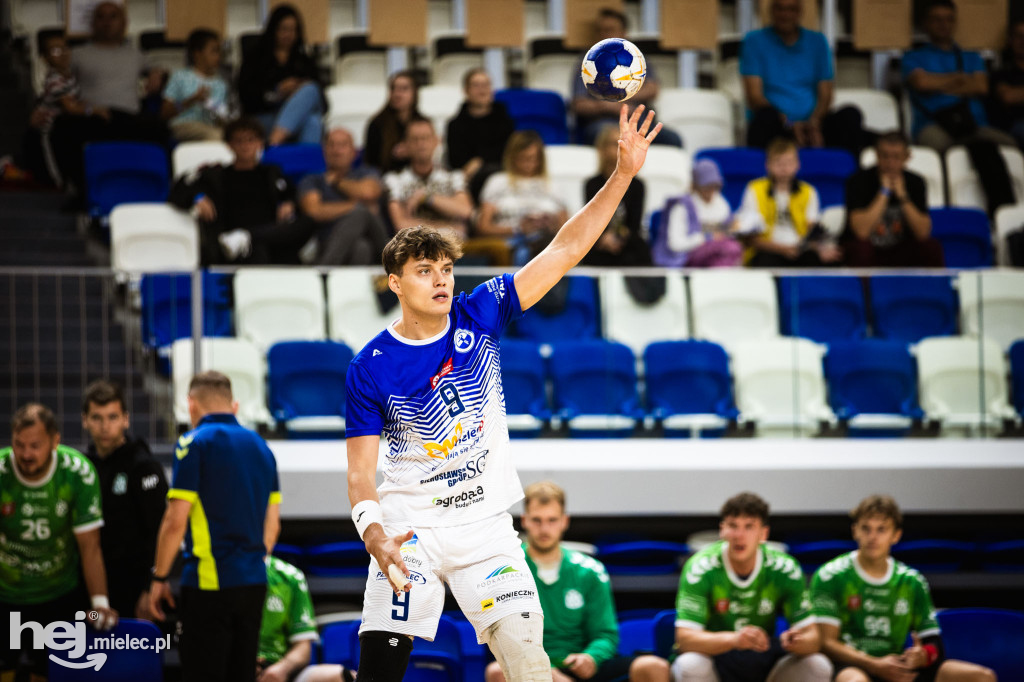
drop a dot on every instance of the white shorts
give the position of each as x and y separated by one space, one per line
483 564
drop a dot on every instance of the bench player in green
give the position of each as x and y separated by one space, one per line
50 519
730 593
868 604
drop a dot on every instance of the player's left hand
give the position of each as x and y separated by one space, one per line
274 673
789 639
581 665
915 656
159 592
634 139
105 618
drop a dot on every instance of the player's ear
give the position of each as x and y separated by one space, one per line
394 284
764 533
897 535
234 407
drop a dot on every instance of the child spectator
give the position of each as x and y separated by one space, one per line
196 98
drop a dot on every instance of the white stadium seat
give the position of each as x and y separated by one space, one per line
733 305
667 172
1009 219
879 108
924 161
189 156
353 314
553 72
361 68
702 117
963 185
992 305
153 237
440 103
352 107
636 324
279 304
240 360
569 166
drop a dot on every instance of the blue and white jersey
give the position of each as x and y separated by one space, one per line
441 407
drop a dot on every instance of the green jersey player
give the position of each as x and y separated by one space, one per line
729 596
868 604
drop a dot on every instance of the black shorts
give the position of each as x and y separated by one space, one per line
60 608
613 670
748 666
923 675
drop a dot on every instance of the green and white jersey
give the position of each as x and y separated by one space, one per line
712 597
287 612
38 521
874 615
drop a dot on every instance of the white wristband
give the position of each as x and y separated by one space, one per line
100 601
365 513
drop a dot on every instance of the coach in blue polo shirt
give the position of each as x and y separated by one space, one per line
224 501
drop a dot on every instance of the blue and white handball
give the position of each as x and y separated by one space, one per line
614 70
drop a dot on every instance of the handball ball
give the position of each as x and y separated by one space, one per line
614 70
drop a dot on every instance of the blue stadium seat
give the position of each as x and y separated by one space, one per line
522 378
306 386
642 557
912 307
567 312
539 110
739 165
439 660
475 657
636 636
688 387
1006 555
654 226
965 236
296 161
989 637
336 559
873 386
167 309
823 309
812 555
121 665
595 388
665 633
339 643
124 172
1017 375
827 170
933 555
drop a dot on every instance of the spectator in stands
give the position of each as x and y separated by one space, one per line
779 216
591 113
245 210
697 229
518 205
196 98
581 634
851 635
887 213
479 132
788 84
344 201
134 489
424 193
385 148
730 593
278 82
50 519
1008 86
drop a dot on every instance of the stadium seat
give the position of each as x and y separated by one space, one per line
296 161
665 633
879 109
569 166
352 106
992 305
169 55
474 656
595 389
153 237
523 381
551 65
1009 219
823 309
440 103
910 308
439 660
122 173
963 184
637 324
166 313
358 62
964 235
688 387
642 557
306 387
813 555
666 173
872 386
190 156
121 665
827 170
1003 556
1017 375
452 58
702 117
924 161
279 304
239 359
739 166
933 555
567 312
336 559
636 636
354 306
780 386
733 305
989 637
339 642
958 391
542 111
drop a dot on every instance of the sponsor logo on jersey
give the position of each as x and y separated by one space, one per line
376 353
61 508
461 500
503 573
27 510
150 482
722 605
120 486
444 448
410 545
766 607
902 608
502 570
464 340
182 450
472 468
514 595
853 602
7 509
573 599
486 604
275 604
417 577
457 443
446 369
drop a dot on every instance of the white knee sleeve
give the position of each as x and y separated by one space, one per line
518 646
694 667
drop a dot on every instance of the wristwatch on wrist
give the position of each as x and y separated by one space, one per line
157 578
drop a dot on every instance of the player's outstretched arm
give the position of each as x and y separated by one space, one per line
574 240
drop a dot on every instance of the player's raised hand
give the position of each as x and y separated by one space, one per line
634 139
388 552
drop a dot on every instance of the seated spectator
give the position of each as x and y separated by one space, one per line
344 203
385 147
1008 86
697 228
479 132
788 84
278 82
424 193
196 98
887 213
779 216
591 113
245 210
622 242
518 205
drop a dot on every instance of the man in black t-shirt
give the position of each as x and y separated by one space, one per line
1008 87
887 221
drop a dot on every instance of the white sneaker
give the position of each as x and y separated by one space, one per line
236 244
